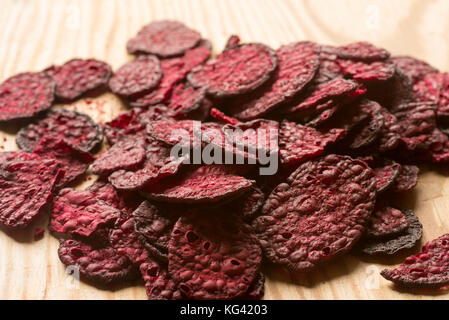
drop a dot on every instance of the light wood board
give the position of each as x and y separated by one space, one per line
36 34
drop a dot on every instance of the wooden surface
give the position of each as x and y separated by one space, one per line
36 34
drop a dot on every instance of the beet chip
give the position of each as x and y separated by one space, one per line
386 222
406 179
158 283
297 65
221 117
386 176
362 51
75 128
127 154
404 240
256 290
80 213
26 189
185 100
298 143
414 68
102 266
427 269
233 41
318 213
235 71
434 87
163 38
246 206
364 72
206 184
136 77
78 77
213 257
25 95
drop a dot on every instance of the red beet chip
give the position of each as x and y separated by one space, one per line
221 117
427 269
256 290
233 41
235 71
323 113
153 225
318 213
298 143
80 213
78 77
185 100
174 70
173 132
434 87
414 68
38 234
297 65
26 191
25 95
133 122
362 51
158 283
75 128
368 72
136 77
329 68
127 154
386 222
386 175
438 147
74 162
390 134
213 257
406 179
17 155
248 205
103 266
158 164
164 38
405 240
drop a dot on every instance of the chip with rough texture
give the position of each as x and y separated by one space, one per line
158 283
153 225
235 71
75 128
405 240
78 77
297 65
256 290
127 154
221 117
298 143
164 38
246 206
368 72
185 100
102 266
386 222
25 95
133 122
172 132
362 51
427 269
26 189
406 179
174 70
203 185
318 213
136 77
233 41
386 175
434 87
390 134
414 68
80 213
158 164
213 257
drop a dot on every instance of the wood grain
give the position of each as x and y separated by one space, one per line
36 34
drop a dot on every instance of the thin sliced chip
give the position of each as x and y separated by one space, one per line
368 72
386 222
406 180
386 176
158 283
362 51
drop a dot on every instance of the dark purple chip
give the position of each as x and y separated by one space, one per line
329 68
233 41
136 77
26 189
158 283
185 100
405 240
213 257
38 234
368 72
78 77
390 134
386 176
362 51
386 222
256 290
164 38
25 95
427 269
172 132
318 213
434 87
102 266
235 71
75 128
406 179
127 154
247 206
414 68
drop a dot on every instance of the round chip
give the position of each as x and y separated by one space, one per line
75 128
25 95
318 213
164 38
368 72
427 269
414 68
386 175
362 51
158 283
103 266
213 257
136 77
406 180
386 222
434 87
235 71
185 100
78 77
